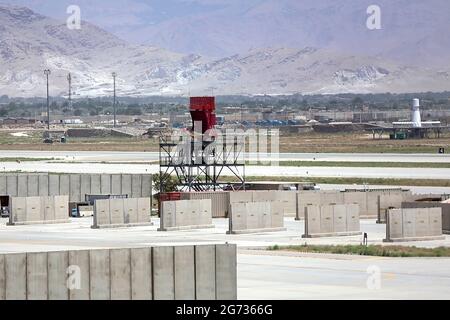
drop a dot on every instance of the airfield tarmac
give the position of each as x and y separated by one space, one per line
154 156
103 162
263 274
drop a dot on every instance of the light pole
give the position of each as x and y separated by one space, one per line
47 72
69 78
114 103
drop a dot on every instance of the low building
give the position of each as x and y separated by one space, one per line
18 122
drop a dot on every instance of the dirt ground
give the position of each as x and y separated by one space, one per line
361 142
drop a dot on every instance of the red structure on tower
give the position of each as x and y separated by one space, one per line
203 110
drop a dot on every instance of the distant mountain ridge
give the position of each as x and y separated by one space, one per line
414 32
30 43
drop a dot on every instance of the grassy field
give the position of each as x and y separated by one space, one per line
358 181
371 250
34 142
360 142
19 159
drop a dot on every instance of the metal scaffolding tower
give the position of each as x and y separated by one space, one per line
200 156
198 165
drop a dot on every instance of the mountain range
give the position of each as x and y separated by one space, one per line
31 42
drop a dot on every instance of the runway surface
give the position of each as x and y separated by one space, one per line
269 171
341 277
146 162
152 156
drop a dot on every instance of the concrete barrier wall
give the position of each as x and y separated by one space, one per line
445 207
251 217
180 272
185 215
332 220
219 201
414 224
75 185
316 198
446 218
38 210
390 200
241 196
294 202
113 213
122 212
368 201
286 198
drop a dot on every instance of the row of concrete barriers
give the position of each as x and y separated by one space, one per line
38 210
76 186
445 207
252 217
332 220
220 201
368 200
405 224
294 202
203 272
128 212
186 214
414 224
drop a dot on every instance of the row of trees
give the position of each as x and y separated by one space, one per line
165 105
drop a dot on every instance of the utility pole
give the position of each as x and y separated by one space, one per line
114 103
69 78
47 72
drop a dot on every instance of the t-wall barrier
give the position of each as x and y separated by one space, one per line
414 224
432 204
76 186
186 215
38 210
332 220
128 212
368 200
201 272
252 217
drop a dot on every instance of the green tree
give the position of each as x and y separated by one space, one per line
170 182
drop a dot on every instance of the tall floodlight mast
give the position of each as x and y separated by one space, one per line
114 101
47 72
69 79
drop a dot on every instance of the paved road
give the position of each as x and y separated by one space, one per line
414 189
151 156
275 171
341 277
83 163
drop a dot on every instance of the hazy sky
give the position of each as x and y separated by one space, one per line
411 29
111 14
